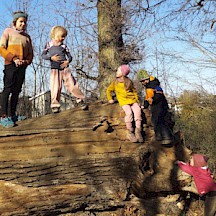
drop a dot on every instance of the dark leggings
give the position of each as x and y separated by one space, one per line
210 204
13 80
161 129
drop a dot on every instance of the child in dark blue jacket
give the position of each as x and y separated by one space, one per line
159 111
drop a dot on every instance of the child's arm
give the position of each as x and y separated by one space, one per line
135 94
7 55
66 62
68 54
45 53
186 167
109 91
30 55
145 104
149 95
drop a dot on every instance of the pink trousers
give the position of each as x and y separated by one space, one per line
132 111
56 79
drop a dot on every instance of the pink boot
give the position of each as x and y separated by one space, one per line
131 136
138 135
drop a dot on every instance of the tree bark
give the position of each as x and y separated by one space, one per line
110 41
80 162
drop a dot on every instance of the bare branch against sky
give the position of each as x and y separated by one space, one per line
175 38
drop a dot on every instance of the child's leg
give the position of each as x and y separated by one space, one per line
138 120
55 87
71 85
155 113
128 117
9 82
137 114
8 79
210 204
165 131
17 88
128 121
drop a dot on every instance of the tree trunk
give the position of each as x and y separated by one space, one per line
110 41
80 163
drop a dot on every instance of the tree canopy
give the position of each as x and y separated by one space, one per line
173 40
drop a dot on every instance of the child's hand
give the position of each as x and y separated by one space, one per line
150 100
111 101
64 64
18 62
56 58
180 162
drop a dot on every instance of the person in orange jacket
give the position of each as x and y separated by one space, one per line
159 111
158 106
150 83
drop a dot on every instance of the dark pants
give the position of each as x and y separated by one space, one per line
162 130
13 80
210 204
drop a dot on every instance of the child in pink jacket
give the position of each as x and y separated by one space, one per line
198 168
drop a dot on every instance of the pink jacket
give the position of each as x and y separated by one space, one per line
202 177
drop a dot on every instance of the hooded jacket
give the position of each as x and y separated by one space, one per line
202 177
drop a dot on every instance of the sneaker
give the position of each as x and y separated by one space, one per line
16 118
131 136
83 105
55 110
138 135
21 118
166 141
7 122
158 138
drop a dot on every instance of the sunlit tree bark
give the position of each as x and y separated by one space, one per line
110 40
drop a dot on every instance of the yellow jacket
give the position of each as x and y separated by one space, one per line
123 96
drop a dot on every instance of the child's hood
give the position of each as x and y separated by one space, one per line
200 160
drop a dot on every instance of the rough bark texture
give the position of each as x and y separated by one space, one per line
80 163
110 41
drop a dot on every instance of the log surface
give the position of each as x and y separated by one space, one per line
80 162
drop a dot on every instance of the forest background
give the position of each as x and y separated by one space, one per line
173 40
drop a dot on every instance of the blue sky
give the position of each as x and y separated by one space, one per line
176 74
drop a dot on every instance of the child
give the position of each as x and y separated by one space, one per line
128 99
159 110
59 56
198 168
159 106
16 49
149 83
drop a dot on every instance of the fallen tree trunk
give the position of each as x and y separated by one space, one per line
80 161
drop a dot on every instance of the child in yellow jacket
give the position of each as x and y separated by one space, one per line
127 97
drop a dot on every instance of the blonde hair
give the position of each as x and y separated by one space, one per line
56 30
128 83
